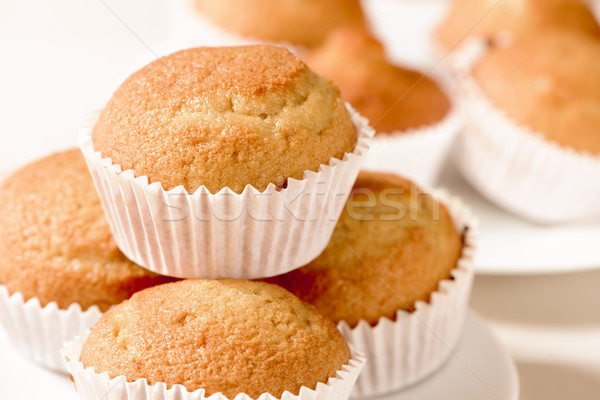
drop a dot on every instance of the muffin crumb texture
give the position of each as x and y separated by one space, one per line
55 241
226 336
225 117
391 247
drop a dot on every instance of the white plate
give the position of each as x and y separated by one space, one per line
510 245
480 370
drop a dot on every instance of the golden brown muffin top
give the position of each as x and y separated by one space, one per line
299 22
228 336
487 18
391 247
55 242
553 89
225 117
393 98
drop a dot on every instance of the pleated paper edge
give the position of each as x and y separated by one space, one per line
450 300
39 332
87 380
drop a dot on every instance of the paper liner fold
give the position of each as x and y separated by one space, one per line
225 235
409 349
93 386
418 154
40 332
519 170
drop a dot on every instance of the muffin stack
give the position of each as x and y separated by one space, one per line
220 163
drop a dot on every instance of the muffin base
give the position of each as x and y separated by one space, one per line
93 386
414 345
225 235
40 332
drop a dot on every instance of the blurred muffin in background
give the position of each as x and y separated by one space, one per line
394 98
414 119
489 18
533 117
297 22
60 265
549 82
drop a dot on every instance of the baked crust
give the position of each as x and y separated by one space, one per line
225 117
228 336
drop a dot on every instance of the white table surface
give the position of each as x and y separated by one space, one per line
63 58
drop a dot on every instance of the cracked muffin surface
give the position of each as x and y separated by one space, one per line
55 241
228 336
224 117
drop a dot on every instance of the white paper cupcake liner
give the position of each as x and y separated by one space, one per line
40 332
416 344
520 171
418 154
225 235
93 386
190 28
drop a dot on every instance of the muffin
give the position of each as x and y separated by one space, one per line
223 337
487 19
252 133
59 255
396 272
297 23
414 119
533 142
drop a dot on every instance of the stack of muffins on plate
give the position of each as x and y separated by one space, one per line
528 82
230 175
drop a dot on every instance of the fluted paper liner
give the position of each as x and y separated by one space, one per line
40 332
225 235
93 386
409 349
418 154
518 169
